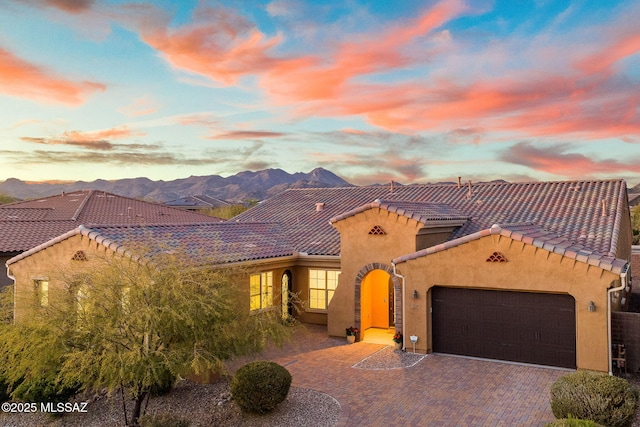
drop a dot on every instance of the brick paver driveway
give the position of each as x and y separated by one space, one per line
440 390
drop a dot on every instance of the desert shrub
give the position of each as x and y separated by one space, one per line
260 386
4 390
44 389
164 383
594 396
572 422
162 420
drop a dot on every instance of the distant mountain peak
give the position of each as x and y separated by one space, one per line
235 188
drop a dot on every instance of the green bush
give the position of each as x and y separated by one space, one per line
4 390
165 382
572 422
44 389
162 420
260 386
594 396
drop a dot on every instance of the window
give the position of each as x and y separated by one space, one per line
41 288
322 284
261 290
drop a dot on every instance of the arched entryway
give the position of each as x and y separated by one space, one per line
286 292
378 296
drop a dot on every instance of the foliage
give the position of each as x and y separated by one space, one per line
635 224
572 422
260 386
352 331
162 420
4 390
135 326
31 357
226 212
397 337
7 199
594 396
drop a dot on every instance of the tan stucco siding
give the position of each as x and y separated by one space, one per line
358 248
51 264
529 269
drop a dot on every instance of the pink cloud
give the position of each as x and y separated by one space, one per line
219 44
556 160
22 79
99 140
140 107
313 78
71 6
246 134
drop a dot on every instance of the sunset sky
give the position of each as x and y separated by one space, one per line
411 91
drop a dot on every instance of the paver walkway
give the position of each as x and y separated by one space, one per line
440 390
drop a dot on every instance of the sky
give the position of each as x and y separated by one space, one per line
411 90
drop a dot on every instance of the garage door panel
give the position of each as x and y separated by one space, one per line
515 326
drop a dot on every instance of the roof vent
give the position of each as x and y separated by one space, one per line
377 231
319 207
79 256
459 181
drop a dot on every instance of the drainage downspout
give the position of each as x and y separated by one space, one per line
395 273
623 285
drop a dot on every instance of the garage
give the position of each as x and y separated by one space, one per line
515 326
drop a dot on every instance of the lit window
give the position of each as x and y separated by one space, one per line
322 285
261 290
42 292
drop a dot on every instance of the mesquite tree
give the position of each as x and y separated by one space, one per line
129 324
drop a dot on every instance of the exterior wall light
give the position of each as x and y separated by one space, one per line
591 306
415 294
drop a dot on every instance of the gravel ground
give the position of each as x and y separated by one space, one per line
201 404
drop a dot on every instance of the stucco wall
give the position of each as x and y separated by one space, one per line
528 269
55 261
358 249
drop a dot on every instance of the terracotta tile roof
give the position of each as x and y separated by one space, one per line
24 225
572 210
533 235
420 211
218 243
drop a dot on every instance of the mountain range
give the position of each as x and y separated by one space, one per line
237 188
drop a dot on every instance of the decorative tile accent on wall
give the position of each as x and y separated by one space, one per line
496 257
377 231
79 256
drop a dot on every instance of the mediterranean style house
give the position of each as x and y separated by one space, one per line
25 225
526 272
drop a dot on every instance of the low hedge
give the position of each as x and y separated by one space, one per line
594 396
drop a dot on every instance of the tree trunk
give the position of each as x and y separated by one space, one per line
137 408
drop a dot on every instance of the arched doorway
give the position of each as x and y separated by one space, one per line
286 292
377 300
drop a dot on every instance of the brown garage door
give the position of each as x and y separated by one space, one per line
515 326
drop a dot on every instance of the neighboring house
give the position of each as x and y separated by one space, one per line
197 203
524 272
25 225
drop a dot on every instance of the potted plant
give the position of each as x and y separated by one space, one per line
397 338
351 334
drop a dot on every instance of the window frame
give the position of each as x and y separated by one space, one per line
265 291
328 291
